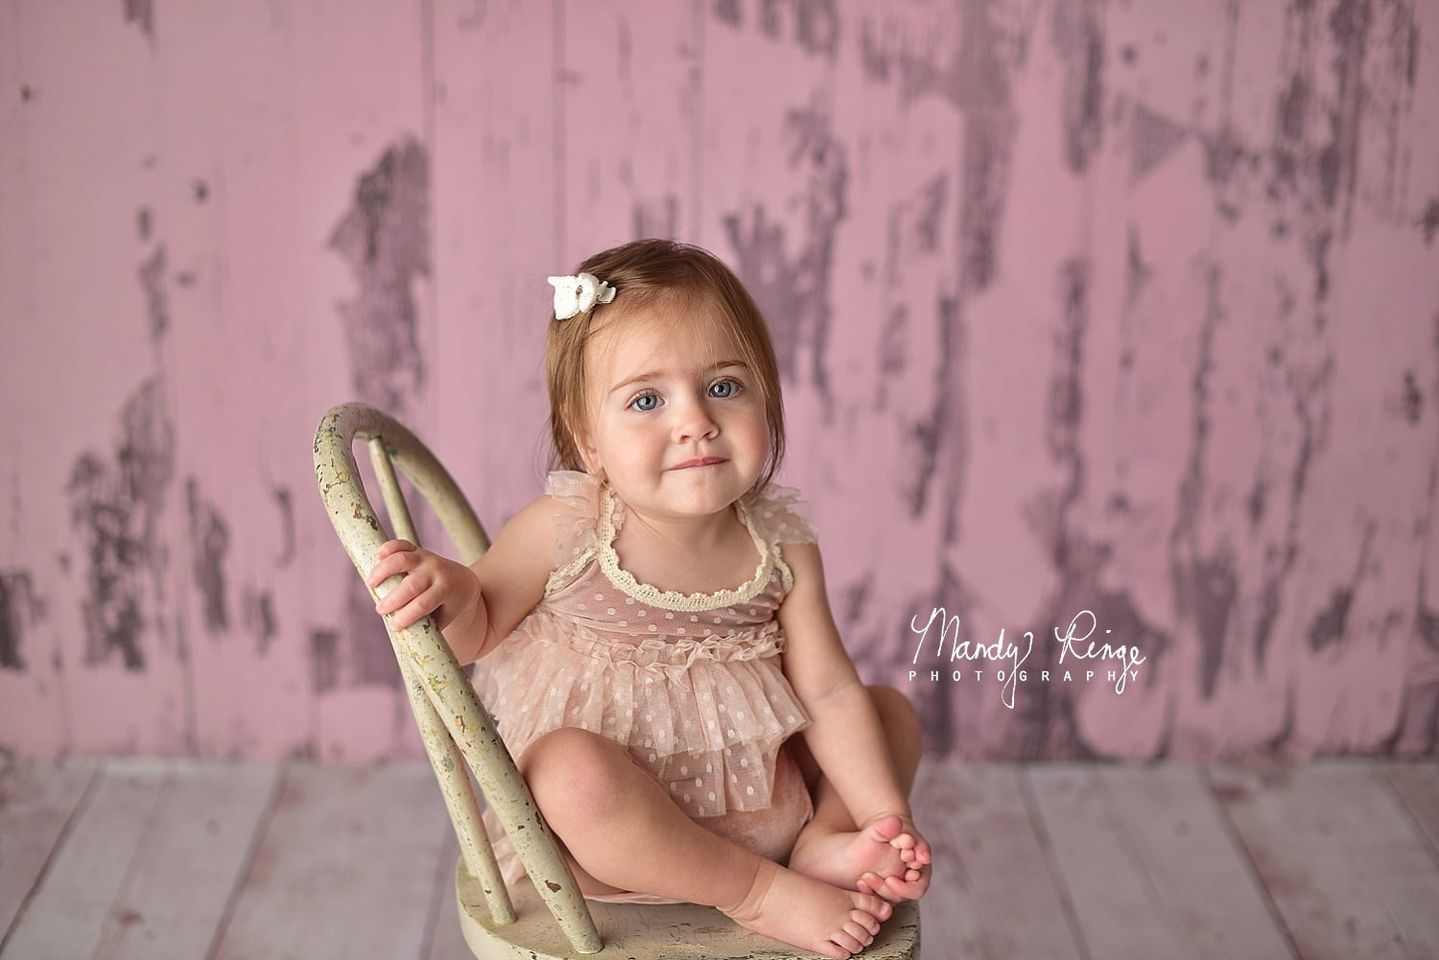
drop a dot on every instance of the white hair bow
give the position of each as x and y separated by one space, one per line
574 295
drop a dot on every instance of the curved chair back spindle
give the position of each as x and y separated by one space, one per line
455 726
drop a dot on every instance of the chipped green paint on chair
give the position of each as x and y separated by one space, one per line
534 922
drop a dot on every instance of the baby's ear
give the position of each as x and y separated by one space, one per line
589 456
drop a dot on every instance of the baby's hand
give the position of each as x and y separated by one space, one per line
913 880
433 585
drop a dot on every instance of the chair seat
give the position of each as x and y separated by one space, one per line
644 931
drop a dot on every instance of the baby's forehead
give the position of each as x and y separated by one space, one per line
654 342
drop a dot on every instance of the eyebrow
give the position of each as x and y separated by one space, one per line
656 374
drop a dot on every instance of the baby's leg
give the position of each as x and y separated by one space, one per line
831 847
623 832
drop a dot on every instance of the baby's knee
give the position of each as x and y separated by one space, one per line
573 772
897 714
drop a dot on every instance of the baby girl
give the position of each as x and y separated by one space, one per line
652 632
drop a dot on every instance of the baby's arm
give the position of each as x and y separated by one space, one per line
483 602
845 736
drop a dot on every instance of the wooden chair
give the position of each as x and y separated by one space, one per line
551 918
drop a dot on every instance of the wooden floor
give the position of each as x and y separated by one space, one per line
154 860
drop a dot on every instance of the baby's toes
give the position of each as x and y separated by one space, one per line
874 905
862 936
865 920
847 941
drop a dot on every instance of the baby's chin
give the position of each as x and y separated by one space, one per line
679 499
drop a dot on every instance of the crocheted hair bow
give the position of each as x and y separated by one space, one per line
576 294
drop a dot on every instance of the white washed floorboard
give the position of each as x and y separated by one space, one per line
1202 874
994 896
1418 786
165 858
37 801
1120 910
1350 871
346 867
194 857
88 872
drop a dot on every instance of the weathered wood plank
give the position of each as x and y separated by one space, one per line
994 895
38 800
72 906
1116 905
497 221
195 853
346 867
88 422
1418 787
361 99
241 217
1151 866
1349 870
1202 874
630 74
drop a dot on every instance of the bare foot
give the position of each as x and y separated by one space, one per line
881 849
808 914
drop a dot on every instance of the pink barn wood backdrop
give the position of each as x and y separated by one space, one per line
1127 307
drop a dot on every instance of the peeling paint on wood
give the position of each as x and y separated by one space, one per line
1074 309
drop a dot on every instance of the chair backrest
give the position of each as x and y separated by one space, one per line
455 726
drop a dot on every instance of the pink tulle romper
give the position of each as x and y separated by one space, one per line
689 683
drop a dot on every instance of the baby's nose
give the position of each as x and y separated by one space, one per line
693 422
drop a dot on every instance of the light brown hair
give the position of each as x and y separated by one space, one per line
647 273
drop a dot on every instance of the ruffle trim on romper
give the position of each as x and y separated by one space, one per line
705 716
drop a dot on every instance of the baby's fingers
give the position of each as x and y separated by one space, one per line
408 589
396 560
923 854
873 883
416 610
895 889
391 547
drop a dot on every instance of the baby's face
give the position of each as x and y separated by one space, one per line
661 396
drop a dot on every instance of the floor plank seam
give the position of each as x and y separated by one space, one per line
1247 856
1139 854
1431 842
1041 833
242 876
92 787
109 930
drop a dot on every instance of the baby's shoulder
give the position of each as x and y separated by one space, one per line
524 539
784 515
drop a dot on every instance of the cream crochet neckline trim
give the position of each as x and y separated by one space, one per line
673 599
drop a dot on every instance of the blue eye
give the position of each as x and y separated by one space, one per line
644 396
735 384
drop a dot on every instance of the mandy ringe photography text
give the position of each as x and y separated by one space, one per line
1072 645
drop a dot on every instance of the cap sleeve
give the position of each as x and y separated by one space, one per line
785 516
578 496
